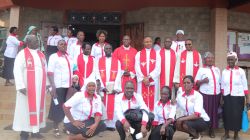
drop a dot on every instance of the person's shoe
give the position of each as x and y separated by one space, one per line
37 135
110 129
224 137
199 137
237 138
24 136
56 132
9 84
211 133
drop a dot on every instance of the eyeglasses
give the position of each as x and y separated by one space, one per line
188 44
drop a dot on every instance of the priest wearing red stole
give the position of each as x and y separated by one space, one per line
188 63
30 72
108 71
147 67
84 65
126 55
76 48
168 60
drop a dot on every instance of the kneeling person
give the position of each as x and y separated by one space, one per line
125 102
83 113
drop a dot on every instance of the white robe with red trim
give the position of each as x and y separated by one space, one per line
21 115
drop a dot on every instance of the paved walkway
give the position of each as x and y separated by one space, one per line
7 99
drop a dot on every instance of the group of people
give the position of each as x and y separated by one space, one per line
169 87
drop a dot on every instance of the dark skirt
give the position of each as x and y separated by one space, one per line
199 124
74 130
8 68
211 104
50 50
155 133
56 112
232 112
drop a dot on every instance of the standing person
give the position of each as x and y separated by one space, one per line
52 41
34 31
208 81
188 63
76 48
235 90
70 38
179 45
10 53
168 60
83 113
98 48
30 71
109 73
195 119
125 102
126 55
147 67
164 117
60 71
157 44
85 65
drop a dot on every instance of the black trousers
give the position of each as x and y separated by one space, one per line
121 131
155 133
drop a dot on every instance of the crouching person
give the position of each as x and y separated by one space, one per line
164 110
83 113
132 113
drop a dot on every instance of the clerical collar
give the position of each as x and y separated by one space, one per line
126 48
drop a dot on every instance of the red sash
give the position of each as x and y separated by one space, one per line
148 92
163 71
196 62
81 68
113 73
31 86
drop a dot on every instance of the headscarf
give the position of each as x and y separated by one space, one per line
41 47
179 32
234 54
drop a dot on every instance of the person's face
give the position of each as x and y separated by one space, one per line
33 44
179 36
34 31
165 94
188 45
108 50
91 88
158 41
69 33
231 61
15 31
62 46
167 43
126 41
209 60
81 36
188 85
87 50
52 32
148 43
129 90
102 37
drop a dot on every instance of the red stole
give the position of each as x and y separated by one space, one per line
163 71
31 86
196 62
148 92
113 73
81 68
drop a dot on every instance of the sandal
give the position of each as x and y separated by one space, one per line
197 138
56 132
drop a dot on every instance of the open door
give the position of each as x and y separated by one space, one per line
136 33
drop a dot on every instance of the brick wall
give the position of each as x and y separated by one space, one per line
164 21
238 20
4 18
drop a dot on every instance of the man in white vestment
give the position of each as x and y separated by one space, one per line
30 72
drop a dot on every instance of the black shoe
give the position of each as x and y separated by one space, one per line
110 129
24 135
37 135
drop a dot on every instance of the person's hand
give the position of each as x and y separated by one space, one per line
146 81
173 101
78 124
144 131
126 73
163 130
126 126
105 90
205 80
221 101
115 91
53 92
91 130
23 91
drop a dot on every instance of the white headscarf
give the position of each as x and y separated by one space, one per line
179 32
234 54
90 80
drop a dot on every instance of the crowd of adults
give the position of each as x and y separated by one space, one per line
159 89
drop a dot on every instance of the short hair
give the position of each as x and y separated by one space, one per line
191 78
189 40
108 45
12 29
55 28
206 54
99 32
84 44
170 91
